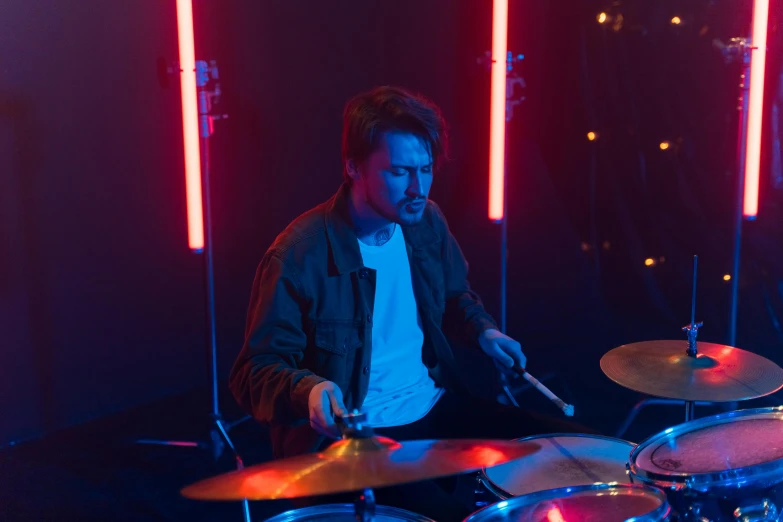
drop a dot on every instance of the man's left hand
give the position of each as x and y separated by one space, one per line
502 348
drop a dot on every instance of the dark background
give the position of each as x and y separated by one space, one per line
101 302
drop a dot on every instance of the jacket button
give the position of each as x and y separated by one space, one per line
369 318
366 370
363 273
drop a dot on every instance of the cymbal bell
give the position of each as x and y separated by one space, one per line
355 464
718 373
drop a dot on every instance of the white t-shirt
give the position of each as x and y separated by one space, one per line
401 390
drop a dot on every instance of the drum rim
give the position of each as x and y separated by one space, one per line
289 516
675 480
502 494
660 513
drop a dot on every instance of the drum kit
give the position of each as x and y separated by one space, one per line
725 467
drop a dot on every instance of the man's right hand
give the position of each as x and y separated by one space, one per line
326 401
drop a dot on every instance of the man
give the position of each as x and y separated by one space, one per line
350 303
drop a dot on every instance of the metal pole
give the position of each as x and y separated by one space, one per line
209 278
511 81
741 148
504 238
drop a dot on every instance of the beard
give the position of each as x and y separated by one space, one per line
394 213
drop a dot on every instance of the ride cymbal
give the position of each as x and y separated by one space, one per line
717 374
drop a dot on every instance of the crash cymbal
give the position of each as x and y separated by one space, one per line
355 464
717 374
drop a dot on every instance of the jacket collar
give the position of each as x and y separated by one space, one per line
344 252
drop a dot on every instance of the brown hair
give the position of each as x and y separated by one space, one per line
368 115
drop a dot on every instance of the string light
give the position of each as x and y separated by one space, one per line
618 22
665 145
727 277
676 20
602 18
649 262
592 136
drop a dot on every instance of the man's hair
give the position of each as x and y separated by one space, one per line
368 115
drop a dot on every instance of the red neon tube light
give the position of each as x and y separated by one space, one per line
497 120
190 132
750 206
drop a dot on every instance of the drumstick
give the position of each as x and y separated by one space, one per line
567 408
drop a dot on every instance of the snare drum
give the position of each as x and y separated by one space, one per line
345 513
719 465
596 503
564 460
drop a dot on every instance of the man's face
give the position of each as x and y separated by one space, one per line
395 180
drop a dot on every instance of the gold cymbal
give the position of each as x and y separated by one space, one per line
355 464
717 374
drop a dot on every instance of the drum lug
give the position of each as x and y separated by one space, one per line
693 514
764 511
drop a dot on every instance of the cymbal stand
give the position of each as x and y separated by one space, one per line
352 427
692 331
364 506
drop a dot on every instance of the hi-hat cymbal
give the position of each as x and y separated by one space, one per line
355 464
717 374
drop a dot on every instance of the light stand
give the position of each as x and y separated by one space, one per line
512 80
219 438
739 48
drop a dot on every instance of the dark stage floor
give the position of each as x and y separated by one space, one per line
93 472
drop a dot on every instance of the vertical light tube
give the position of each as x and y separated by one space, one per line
190 131
755 108
497 124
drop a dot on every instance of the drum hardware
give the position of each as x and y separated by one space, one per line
650 402
764 510
693 514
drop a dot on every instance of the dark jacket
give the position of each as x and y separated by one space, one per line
310 317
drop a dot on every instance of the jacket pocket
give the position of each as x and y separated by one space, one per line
337 337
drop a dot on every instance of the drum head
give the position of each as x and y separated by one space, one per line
345 513
564 460
597 503
748 443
